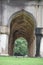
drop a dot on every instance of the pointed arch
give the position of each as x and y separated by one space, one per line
22 25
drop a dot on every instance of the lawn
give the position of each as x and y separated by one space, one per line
20 61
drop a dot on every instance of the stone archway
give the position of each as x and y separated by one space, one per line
22 25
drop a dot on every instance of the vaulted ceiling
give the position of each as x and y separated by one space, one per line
22 24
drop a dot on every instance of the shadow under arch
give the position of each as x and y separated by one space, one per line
22 24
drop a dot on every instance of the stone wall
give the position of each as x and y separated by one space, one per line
9 8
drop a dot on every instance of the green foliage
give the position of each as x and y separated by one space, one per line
20 47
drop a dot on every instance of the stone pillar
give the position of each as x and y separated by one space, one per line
41 47
10 46
4 38
38 40
31 47
41 44
31 50
34 46
6 48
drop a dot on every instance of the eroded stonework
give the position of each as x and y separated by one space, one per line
22 25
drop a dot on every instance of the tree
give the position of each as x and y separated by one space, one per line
20 48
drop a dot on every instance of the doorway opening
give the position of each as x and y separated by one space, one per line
22 25
20 47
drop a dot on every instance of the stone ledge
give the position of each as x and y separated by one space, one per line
4 30
4 55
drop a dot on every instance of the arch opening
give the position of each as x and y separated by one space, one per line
22 25
20 47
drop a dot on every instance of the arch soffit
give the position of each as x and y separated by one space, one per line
23 14
27 18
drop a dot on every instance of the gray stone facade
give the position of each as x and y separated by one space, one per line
10 7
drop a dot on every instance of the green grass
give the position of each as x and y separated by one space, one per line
20 61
